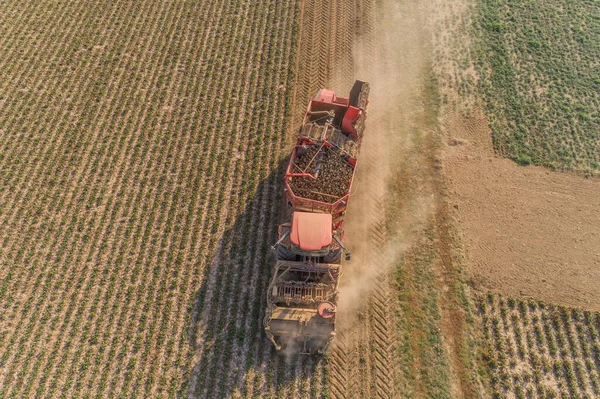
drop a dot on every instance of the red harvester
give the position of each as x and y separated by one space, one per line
302 296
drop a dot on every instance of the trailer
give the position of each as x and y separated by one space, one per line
303 293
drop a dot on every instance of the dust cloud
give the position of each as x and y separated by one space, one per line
393 197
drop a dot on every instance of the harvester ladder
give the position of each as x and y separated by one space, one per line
312 131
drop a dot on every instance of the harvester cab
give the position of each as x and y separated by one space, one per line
311 236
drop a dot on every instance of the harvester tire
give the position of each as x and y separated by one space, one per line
333 257
284 253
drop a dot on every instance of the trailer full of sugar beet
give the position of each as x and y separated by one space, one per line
303 294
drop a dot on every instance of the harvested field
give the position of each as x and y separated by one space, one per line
142 150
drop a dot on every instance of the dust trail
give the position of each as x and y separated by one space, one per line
393 59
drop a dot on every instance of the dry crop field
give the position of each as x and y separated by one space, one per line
139 153
142 146
539 350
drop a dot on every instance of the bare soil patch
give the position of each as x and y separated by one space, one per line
528 231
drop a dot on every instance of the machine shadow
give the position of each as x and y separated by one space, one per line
231 352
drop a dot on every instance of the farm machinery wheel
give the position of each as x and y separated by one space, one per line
284 253
333 256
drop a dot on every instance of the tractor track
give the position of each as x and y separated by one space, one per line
313 53
360 362
373 340
380 322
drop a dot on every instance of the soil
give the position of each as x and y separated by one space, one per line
528 231
134 247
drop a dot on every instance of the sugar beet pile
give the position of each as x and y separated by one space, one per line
333 181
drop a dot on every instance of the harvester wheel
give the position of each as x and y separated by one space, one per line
333 257
284 253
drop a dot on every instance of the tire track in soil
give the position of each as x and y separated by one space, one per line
372 339
380 321
359 363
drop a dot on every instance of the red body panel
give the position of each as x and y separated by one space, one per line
303 294
348 122
345 116
311 231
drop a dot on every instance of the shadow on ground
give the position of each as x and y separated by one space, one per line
232 356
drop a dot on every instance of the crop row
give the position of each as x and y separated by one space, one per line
533 349
140 152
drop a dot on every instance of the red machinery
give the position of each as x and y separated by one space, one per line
302 296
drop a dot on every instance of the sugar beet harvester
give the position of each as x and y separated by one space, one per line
302 297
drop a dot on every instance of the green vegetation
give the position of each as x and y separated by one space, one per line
540 74
423 358
434 316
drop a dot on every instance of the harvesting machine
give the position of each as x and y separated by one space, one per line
302 296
